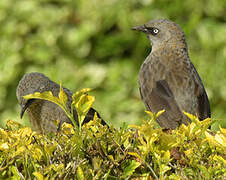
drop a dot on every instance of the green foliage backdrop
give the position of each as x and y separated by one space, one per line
89 44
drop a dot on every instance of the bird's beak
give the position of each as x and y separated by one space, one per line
141 28
25 106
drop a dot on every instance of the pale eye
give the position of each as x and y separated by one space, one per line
155 31
151 30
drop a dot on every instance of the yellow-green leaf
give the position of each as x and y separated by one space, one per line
192 117
223 131
166 155
219 158
62 96
221 139
4 146
134 154
130 167
159 113
80 174
77 95
38 175
48 96
149 113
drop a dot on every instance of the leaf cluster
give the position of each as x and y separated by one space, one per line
94 151
90 44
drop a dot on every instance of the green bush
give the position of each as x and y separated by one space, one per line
90 44
98 152
94 151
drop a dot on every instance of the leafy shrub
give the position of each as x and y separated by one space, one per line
90 44
94 151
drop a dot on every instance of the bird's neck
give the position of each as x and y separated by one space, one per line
169 54
169 47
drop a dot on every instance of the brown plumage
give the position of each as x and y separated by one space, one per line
168 79
41 113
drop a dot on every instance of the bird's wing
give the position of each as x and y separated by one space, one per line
160 97
202 98
90 116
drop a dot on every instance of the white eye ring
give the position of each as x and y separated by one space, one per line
155 31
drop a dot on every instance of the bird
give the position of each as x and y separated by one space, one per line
168 79
42 113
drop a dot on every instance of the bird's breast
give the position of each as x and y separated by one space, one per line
175 70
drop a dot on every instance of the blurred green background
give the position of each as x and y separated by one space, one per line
88 43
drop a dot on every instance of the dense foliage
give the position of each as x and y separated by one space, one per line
94 151
89 44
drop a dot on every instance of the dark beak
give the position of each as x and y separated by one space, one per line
141 28
25 106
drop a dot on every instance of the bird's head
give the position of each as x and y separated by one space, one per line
163 32
29 84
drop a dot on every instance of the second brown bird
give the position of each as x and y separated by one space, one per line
42 114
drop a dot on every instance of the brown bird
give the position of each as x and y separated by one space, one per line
168 79
42 113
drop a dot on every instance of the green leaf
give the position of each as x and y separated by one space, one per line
220 159
80 174
15 173
61 101
204 170
47 95
159 113
129 168
163 169
4 146
38 175
82 103
76 96
134 154
62 96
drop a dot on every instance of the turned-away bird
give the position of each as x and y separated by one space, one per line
167 79
42 114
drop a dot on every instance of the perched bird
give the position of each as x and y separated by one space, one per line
168 79
42 114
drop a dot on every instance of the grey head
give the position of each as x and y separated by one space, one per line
163 33
31 83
